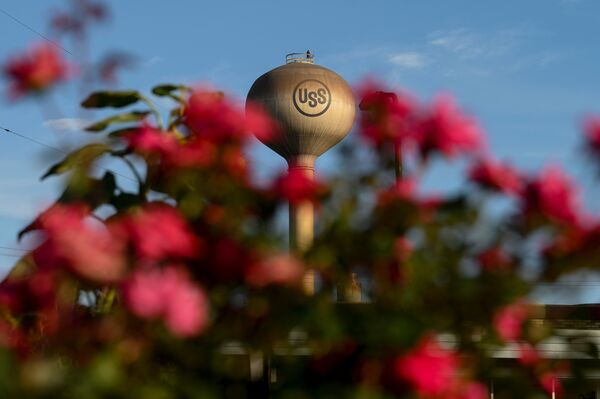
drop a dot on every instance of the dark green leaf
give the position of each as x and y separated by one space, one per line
113 99
81 157
94 192
120 132
121 118
167 89
125 201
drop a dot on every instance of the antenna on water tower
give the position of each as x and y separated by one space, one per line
315 108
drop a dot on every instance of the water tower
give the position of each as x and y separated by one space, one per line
315 108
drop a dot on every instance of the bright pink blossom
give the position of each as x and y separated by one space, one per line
188 153
74 241
35 71
430 369
158 231
297 186
447 131
277 269
495 176
386 117
168 294
553 195
210 115
148 139
509 320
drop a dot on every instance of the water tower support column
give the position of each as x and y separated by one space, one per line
302 219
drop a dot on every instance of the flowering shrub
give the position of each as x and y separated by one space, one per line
174 288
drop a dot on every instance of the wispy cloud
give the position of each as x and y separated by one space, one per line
408 60
152 61
469 44
67 124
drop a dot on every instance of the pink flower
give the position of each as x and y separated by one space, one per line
211 116
186 313
158 231
193 152
296 186
473 390
428 368
148 139
144 293
495 176
72 240
551 384
168 294
35 71
553 195
277 269
446 130
528 355
386 117
260 123
508 321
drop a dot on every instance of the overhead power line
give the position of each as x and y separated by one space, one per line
7 130
46 38
16 249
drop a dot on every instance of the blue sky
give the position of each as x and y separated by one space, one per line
527 70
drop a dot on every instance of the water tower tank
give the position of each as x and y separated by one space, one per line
314 106
315 109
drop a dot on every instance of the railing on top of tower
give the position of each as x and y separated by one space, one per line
305 58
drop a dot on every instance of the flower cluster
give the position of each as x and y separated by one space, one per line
36 71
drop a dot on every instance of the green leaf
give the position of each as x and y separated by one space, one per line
167 89
133 116
120 132
81 157
112 99
124 201
94 192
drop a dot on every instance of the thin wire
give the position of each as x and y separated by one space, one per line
11 255
35 31
62 152
16 249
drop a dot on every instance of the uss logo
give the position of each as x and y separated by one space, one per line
311 97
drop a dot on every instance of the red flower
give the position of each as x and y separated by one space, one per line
170 295
446 130
35 71
297 186
428 368
386 117
278 269
591 128
158 231
194 152
495 176
404 189
85 246
494 259
508 321
528 355
551 384
148 139
402 249
553 195
209 115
